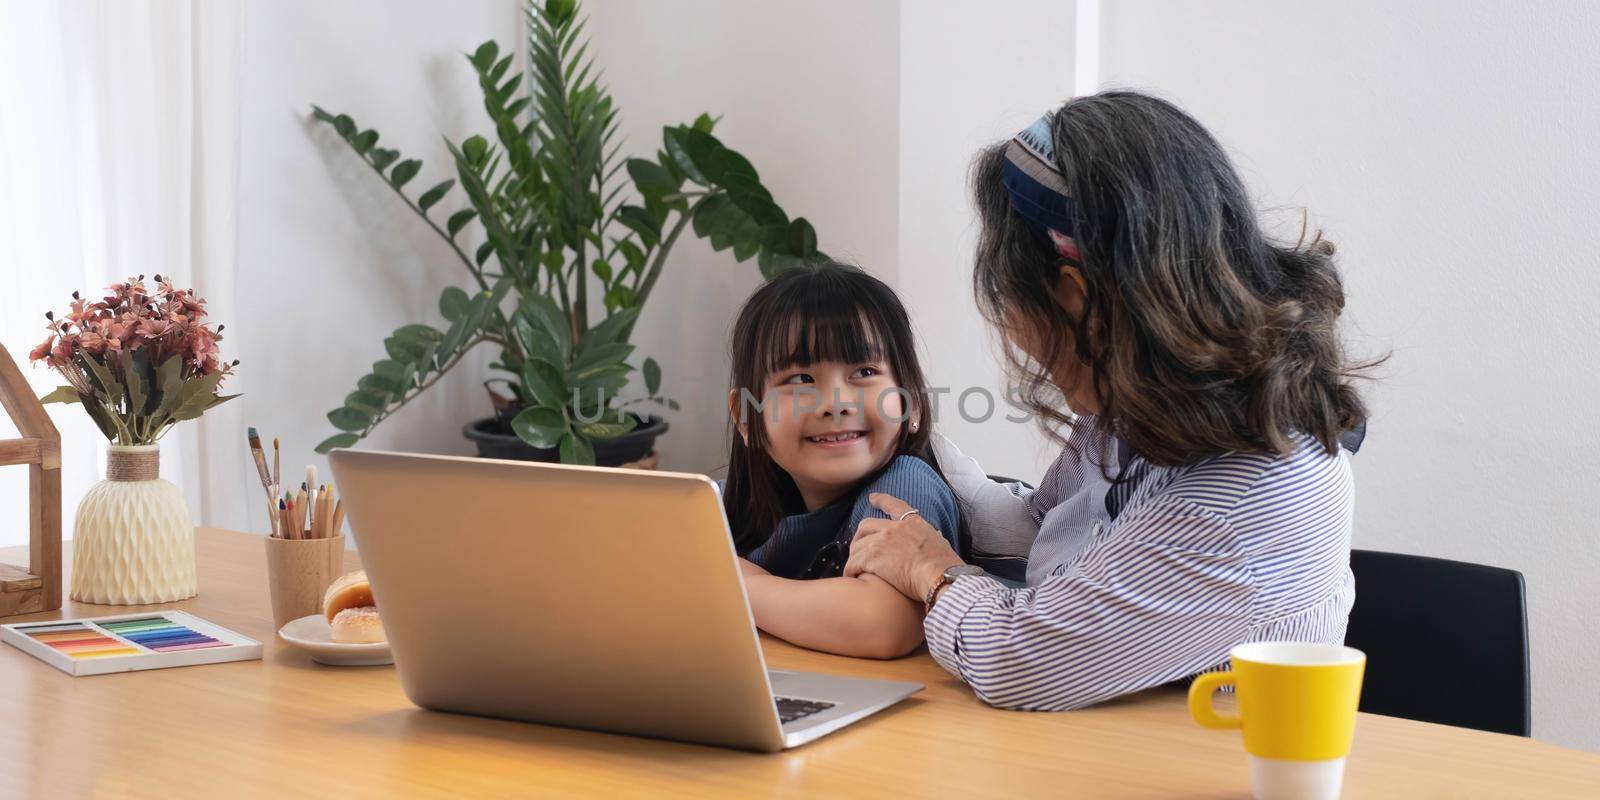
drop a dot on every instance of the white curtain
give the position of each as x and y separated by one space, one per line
119 140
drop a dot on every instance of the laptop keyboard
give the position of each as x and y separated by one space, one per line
791 708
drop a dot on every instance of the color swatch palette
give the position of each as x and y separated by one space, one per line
129 642
80 641
161 634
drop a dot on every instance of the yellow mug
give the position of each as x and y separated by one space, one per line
1297 708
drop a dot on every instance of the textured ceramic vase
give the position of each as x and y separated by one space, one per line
133 542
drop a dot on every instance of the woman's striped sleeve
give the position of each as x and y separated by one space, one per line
1163 600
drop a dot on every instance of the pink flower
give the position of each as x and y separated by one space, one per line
42 352
152 328
63 350
164 323
200 350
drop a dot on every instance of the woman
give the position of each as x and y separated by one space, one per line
1201 498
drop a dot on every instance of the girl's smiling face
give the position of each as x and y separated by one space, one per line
830 424
824 390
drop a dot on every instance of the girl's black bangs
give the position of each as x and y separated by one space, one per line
818 324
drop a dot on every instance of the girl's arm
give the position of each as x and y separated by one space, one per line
863 617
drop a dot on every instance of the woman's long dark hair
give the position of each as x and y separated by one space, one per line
1200 335
805 315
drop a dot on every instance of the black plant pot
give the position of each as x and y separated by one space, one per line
494 439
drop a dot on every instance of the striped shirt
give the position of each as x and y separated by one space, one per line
1154 579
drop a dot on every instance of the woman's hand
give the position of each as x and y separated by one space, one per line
749 568
905 551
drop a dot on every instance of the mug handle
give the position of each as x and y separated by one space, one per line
1200 693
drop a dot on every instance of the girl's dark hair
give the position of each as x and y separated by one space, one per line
1201 335
805 315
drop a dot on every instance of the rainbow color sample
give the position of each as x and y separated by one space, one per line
80 641
161 634
129 642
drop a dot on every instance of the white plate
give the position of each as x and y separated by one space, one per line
313 635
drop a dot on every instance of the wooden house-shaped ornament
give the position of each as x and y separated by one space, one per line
37 587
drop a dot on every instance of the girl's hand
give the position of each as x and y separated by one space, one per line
904 550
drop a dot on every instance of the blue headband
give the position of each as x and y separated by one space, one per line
1038 191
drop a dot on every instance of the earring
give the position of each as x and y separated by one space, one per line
913 427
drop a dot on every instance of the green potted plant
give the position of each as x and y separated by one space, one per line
569 257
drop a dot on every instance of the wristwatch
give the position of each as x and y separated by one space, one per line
949 576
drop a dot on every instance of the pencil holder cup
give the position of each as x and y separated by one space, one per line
299 571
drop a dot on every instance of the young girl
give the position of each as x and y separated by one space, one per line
826 405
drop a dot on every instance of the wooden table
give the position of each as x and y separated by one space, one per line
286 727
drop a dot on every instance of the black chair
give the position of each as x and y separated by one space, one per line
1446 641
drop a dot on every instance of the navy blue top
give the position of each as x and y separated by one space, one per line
817 544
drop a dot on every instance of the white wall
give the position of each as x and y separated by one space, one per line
808 95
970 75
863 118
330 261
1448 149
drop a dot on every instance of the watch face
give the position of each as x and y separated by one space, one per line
964 569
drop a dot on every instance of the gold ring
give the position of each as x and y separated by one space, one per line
902 517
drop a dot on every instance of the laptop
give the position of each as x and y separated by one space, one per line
586 597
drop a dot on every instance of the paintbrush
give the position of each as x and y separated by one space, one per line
260 458
311 496
277 477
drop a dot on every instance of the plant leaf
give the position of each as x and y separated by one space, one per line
802 238
609 330
434 195
642 222
62 394
609 379
404 171
336 441
599 356
459 220
543 381
475 148
542 311
453 303
408 350
576 449
619 298
349 418
110 388
677 144
169 379
382 158
197 395
378 384
652 377
650 178
608 430
397 372
363 400
540 426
